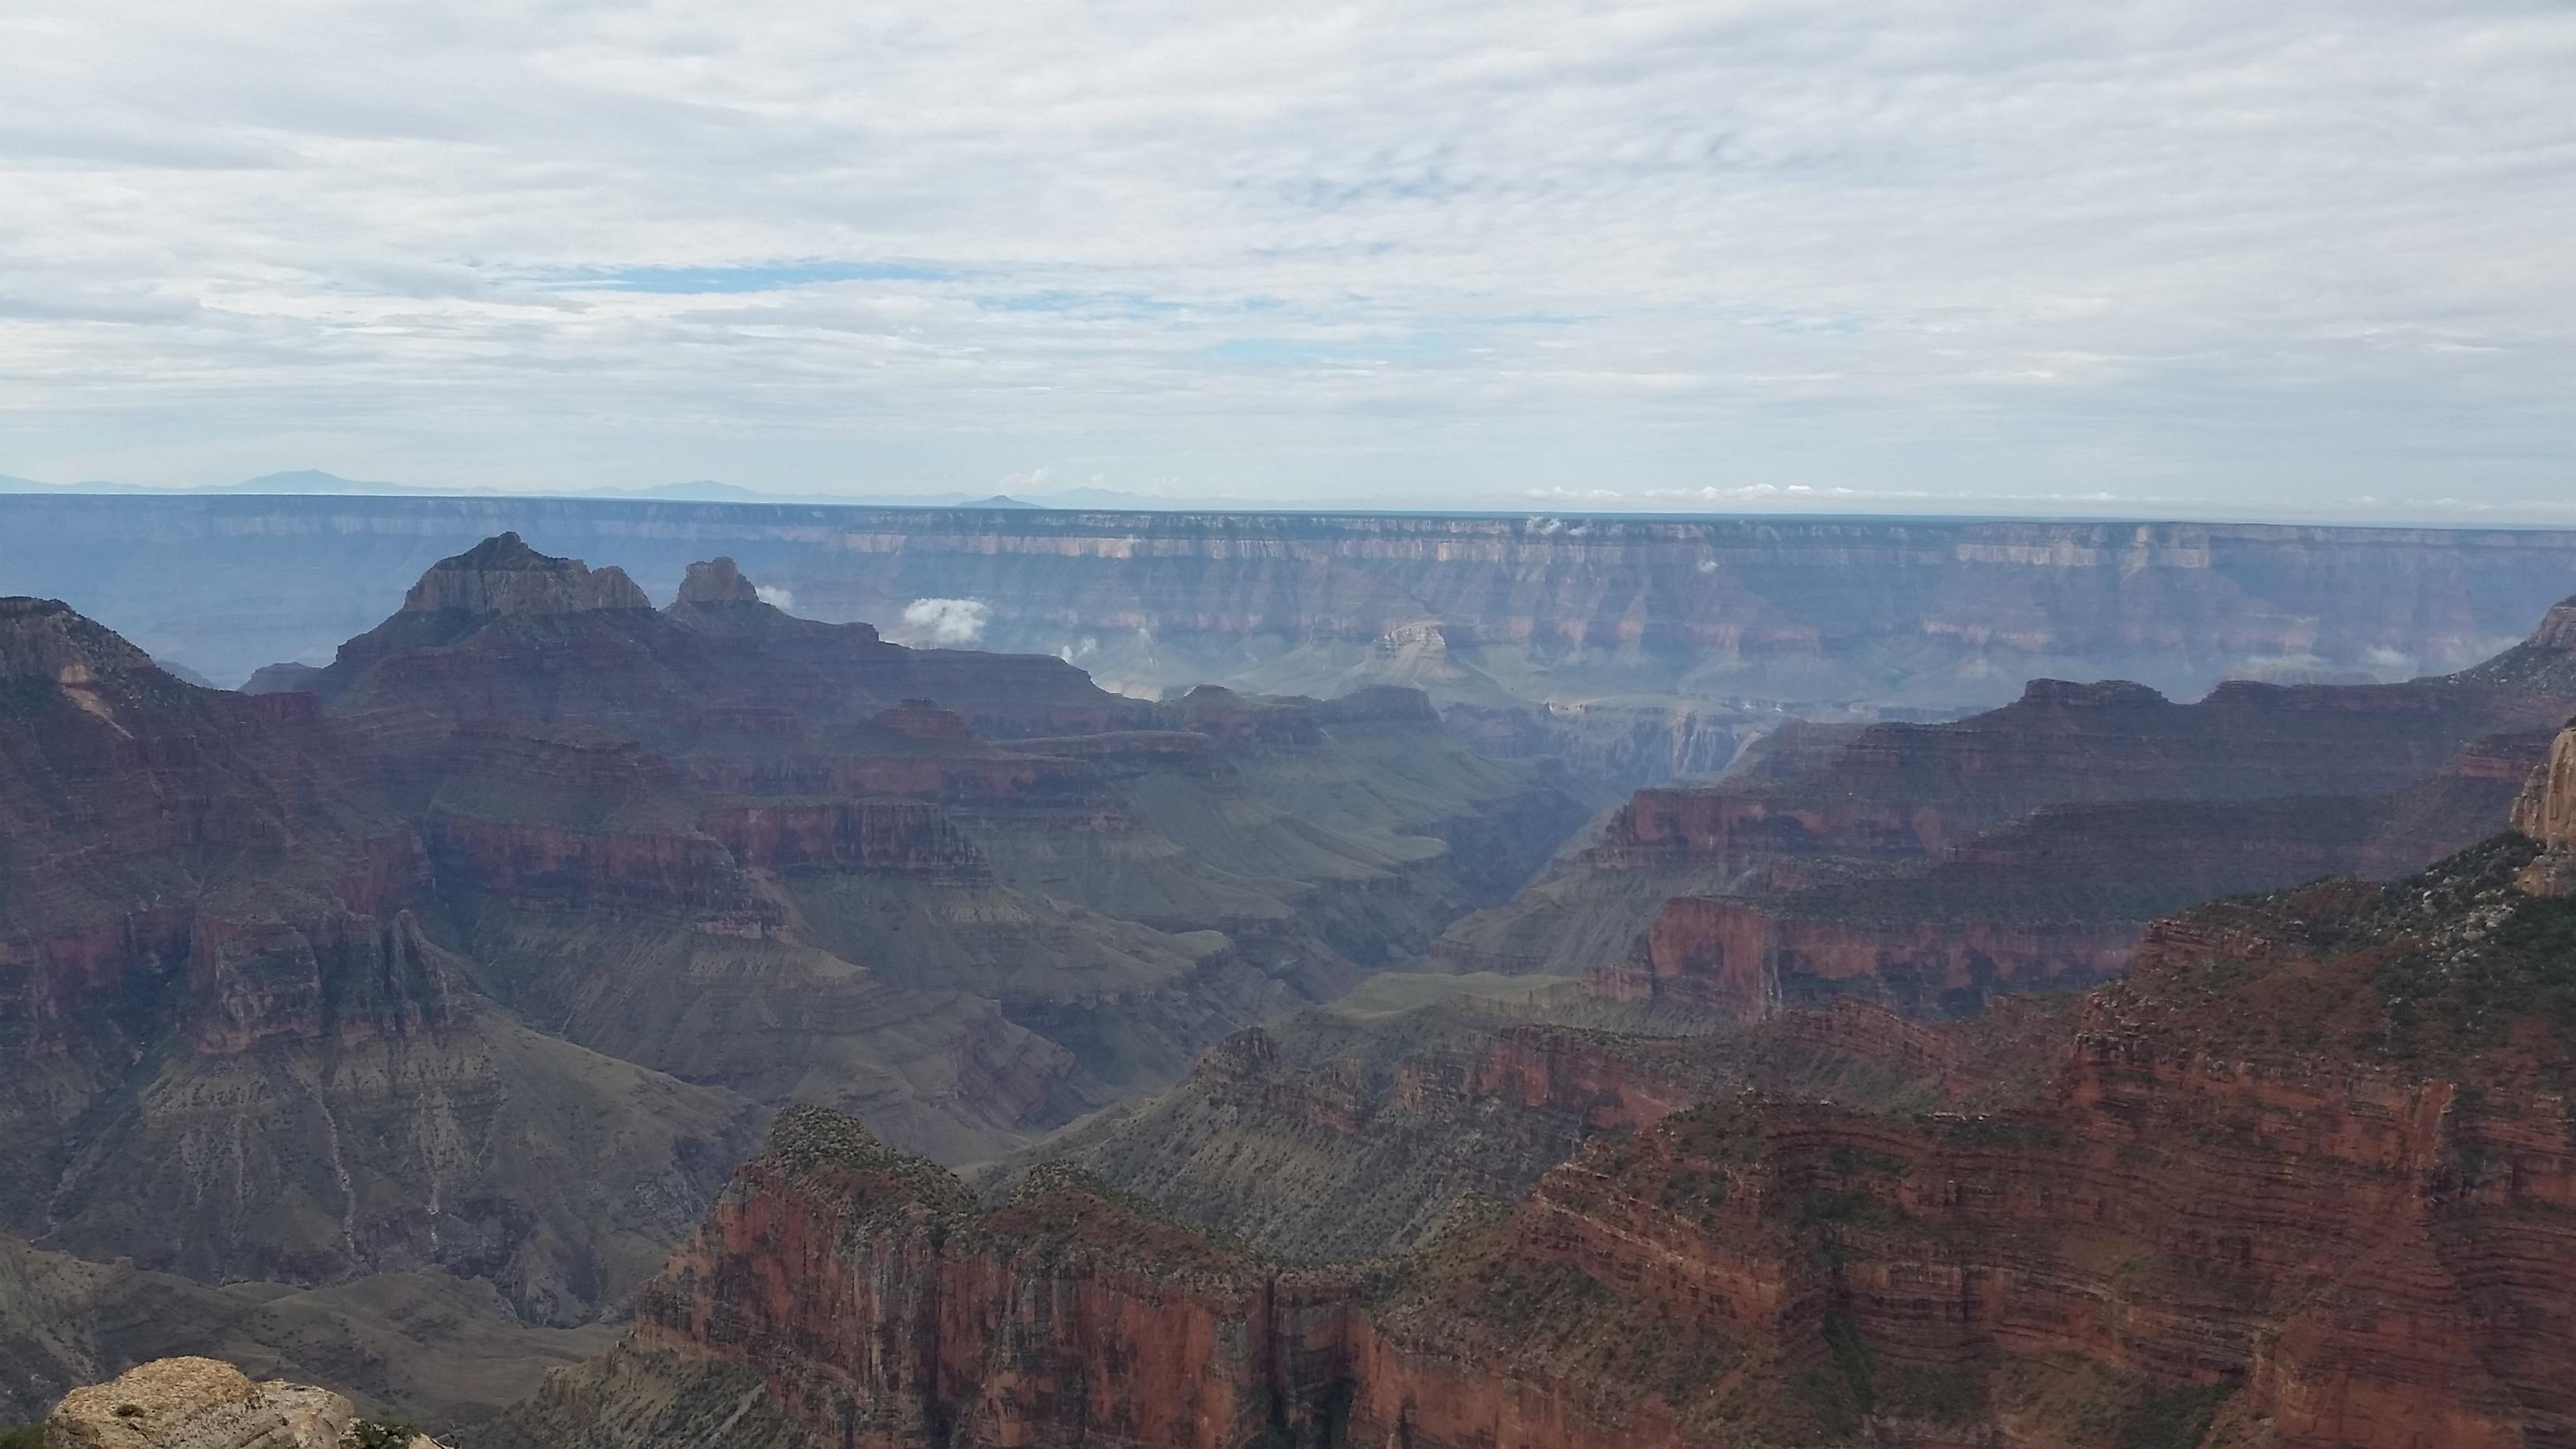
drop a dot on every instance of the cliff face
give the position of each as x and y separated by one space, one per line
2546 809
1065 1314
2304 1177
1343 1135
1897 791
234 1047
2546 812
268 963
1933 866
502 575
1633 648
2055 901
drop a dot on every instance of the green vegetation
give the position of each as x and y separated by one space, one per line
25 1436
1842 1391
1850 1161
1845 1207
382 1434
2174 1419
1937 1394
1998 1130
2473 955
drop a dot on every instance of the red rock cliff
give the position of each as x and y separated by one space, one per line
2266 1183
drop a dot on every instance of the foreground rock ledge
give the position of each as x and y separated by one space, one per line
201 1403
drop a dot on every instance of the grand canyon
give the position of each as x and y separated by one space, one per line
625 975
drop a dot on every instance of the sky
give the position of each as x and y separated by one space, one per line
2309 258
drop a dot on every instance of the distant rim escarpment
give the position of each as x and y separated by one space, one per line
1637 648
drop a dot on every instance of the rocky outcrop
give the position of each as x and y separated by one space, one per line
717 581
502 575
2546 809
43 640
2557 629
2546 812
200 1403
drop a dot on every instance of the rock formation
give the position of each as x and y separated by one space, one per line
1931 866
502 575
486 949
204 1403
2546 812
44 641
717 581
2299 1181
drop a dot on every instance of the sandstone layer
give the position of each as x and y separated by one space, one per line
2304 1177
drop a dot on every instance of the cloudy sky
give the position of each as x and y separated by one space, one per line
2303 258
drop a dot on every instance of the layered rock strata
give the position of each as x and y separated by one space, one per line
2546 812
2303 1177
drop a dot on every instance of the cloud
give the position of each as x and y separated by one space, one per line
2172 254
944 623
777 598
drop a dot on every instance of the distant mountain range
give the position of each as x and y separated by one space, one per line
305 482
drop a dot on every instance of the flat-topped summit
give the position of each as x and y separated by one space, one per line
502 575
48 639
2090 694
717 581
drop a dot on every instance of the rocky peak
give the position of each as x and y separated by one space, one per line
48 640
2547 813
821 1147
717 581
502 575
2557 627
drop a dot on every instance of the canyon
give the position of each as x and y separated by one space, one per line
485 950
2302 1178
581 1020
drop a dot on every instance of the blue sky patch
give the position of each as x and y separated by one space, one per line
754 277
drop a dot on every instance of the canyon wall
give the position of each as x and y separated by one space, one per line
2303 1180
1804 612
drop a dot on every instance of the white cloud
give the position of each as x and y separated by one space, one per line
2167 254
2387 663
944 623
775 597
